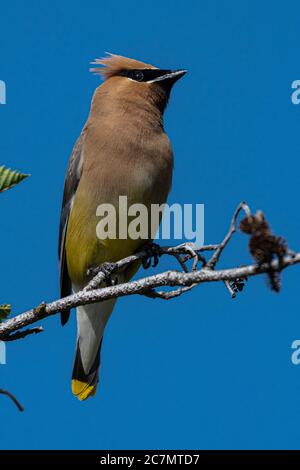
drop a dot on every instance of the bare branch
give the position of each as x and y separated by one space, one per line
13 398
167 295
215 257
185 280
141 286
23 334
231 291
184 248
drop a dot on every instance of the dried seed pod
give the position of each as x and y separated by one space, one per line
263 245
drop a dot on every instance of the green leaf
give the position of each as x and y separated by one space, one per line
9 178
5 310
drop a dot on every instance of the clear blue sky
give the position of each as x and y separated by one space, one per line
202 371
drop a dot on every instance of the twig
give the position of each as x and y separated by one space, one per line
184 248
215 257
183 280
142 286
230 290
13 398
23 334
153 294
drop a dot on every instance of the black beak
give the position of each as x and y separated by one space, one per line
167 78
176 75
170 76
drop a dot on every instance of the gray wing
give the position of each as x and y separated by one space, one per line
71 183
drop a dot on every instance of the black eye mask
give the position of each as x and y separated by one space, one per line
143 75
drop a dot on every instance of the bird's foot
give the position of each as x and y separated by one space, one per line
104 272
152 250
108 269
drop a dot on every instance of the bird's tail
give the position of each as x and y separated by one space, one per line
91 321
85 385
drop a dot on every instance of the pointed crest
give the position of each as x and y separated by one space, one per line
114 64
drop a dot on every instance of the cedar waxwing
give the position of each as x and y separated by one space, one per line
122 150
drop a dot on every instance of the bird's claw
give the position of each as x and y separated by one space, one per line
107 269
152 250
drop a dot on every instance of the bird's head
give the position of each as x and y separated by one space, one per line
130 79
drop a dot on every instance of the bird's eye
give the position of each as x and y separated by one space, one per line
137 75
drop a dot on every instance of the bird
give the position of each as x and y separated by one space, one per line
123 149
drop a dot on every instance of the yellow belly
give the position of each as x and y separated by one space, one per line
84 249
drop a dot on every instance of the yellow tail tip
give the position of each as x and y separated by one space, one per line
83 390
